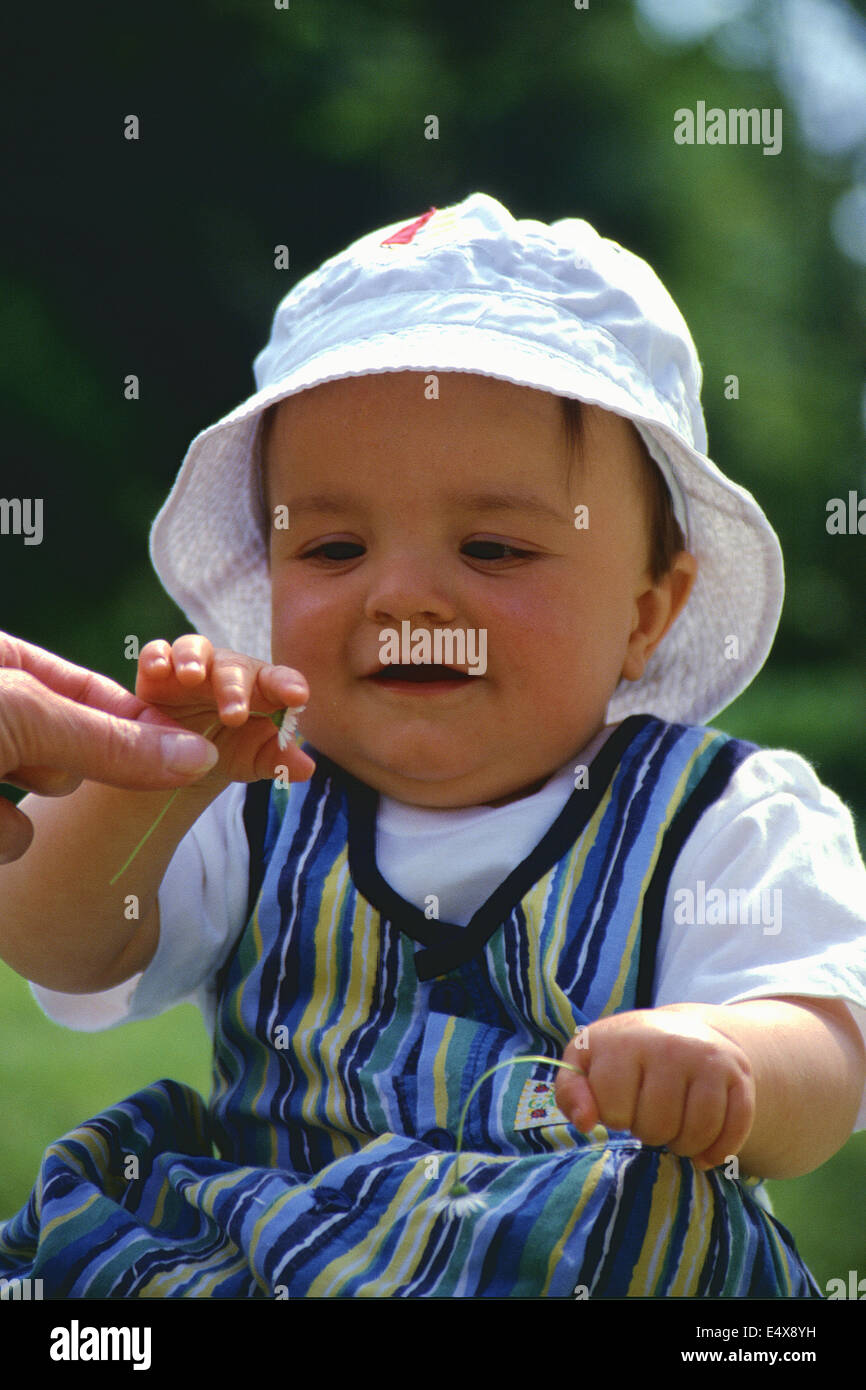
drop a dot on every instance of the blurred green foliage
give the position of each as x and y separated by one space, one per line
305 126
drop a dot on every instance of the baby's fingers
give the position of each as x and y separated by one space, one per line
233 681
739 1120
573 1093
280 687
242 685
716 1122
191 657
167 673
154 660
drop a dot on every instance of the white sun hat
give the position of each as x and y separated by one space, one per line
558 308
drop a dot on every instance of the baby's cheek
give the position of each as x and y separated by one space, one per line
287 634
305 625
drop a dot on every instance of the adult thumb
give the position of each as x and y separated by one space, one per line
57 740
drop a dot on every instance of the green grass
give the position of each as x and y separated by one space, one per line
52 1078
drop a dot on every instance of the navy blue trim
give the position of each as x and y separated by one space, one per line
256 803
446 944
709 789
257 800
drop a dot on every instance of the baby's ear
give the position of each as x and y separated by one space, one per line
658 608
681 580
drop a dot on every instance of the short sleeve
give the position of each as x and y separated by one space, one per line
202 904
767 896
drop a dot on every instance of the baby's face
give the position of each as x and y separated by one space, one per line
454 514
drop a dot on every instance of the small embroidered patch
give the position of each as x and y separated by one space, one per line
536 1106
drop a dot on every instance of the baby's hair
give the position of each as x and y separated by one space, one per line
665 536
260 444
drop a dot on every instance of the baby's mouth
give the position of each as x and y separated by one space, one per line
419 674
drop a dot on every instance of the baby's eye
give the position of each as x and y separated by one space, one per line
336 551
493 550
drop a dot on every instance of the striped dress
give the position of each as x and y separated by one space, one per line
350 1029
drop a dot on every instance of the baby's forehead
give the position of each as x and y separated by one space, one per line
472 444
452 393
460 403
509 440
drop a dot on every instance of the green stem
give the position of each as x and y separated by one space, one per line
508 1062
275 718
145 837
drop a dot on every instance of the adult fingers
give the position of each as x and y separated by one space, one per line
16 832
75 682
45 781
46 734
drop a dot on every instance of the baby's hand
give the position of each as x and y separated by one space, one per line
199 686
666 1075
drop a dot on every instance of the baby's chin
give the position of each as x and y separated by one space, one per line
444 798
433 786
458 800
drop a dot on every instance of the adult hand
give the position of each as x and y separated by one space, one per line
61 723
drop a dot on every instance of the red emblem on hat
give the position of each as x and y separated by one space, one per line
406 234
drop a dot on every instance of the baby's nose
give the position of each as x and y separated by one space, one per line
409 588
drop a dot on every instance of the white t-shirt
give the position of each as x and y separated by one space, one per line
776 828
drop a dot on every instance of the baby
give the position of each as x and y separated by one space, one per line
472 435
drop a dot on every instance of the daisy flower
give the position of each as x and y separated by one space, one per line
287 723
459 1201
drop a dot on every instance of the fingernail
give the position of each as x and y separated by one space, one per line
188 753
